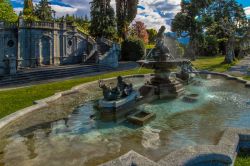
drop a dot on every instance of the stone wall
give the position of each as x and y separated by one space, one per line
28 45
8 49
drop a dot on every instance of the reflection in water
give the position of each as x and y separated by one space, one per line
82 139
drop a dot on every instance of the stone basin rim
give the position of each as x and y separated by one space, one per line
231 138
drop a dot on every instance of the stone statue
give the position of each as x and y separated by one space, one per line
161 51
120 91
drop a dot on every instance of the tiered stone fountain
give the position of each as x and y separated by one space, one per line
162 84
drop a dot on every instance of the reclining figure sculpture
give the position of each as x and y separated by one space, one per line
122 90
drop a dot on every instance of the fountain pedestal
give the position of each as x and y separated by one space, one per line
162 84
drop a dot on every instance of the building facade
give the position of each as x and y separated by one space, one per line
33 44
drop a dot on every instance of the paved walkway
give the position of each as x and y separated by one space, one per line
242 68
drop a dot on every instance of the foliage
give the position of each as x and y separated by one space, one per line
7 13
44 11
211 46
152 33
139 31
16 99
150 46
243 158
187 22
28 7
126 11
132 49
213 23
102 19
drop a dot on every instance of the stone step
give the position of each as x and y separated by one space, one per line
55 71
35 76
55 68
60 74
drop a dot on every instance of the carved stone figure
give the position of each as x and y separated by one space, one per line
161 51
120 91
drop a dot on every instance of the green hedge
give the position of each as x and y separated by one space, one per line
132 49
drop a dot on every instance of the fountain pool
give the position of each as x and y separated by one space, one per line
78 138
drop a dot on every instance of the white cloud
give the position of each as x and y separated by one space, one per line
247 11
156 13
18 10
62 10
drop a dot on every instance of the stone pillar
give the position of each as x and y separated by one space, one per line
12 63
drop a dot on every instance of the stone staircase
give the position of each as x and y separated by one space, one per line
41 74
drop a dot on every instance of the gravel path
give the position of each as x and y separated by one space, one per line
242 68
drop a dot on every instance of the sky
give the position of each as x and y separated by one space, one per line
153 13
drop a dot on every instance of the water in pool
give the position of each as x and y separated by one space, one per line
81 140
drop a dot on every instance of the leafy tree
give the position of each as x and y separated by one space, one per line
126 11
139 31
230 25
44 11
218 24
7 13
189 23
152 33
102 19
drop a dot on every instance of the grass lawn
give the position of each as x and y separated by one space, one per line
16 99
149 46
243 159
247 78
212 64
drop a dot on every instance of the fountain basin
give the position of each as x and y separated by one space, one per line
222 104
113 110
141 118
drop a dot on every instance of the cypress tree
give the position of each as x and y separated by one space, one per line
28 7
44 11
102 19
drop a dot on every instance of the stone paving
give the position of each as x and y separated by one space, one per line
242 68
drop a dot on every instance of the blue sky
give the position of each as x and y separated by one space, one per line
153 13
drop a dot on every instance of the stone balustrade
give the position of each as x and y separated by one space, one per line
4 25
47 25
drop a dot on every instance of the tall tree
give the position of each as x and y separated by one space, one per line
229 25
139 30
102 19
7 13
44 11
126 11
188 23
28 7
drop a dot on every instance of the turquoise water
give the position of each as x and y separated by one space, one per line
80 139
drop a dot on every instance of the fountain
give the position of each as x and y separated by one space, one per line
116 100
162 84
119 102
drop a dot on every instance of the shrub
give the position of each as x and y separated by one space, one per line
132 49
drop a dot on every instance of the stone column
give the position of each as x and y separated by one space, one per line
12 63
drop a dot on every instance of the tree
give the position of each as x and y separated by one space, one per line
189 23
229 25
44 11
102 19
28 7
126 11
7 13
136 45
151 35
207 21
139 31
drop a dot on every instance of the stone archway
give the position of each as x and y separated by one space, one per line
45 50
